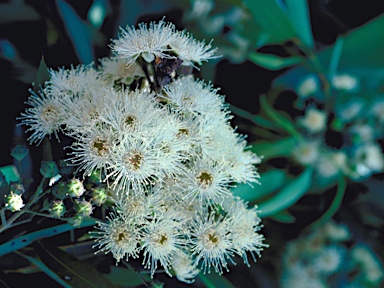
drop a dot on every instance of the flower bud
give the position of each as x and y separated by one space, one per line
17 188
65 169
75 188
60 191
13 202
99 195
95 177
49 169
83 208
75 220
57 208
19 152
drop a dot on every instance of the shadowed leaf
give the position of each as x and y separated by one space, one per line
75 272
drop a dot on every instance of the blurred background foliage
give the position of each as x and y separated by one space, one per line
286 66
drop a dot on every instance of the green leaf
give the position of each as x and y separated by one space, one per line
66 266
336 55
257 119
10 173
78 32
362 47
282 120
299 15
283 216
214 280
278 148
42 75
287 196
125 277
272 19
335 205
25 240
270 181
45 269
273 62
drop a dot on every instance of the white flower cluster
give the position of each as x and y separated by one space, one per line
167 152
322 258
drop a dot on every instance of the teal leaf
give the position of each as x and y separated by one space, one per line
283 216
335 56
257 119
77 273
270 181
287 196
77 31
274 21
27 239
335 205
214 280
42 75
10 173
45 269
282 120
273 62
125 277
299 15
272 149
363 46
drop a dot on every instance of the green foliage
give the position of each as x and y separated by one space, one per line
287 196
76 273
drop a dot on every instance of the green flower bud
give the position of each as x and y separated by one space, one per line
95 177
83 208
75 220
60 191
17 188
57 208
13 202
19 152
49 169
99 195
75 188
65 169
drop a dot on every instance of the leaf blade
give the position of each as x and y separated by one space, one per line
66 266
286 197
299 16
273 62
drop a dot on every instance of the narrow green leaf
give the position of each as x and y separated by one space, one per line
282 120
77 31
45 269
335 57
214 280
335 205
257 119
42 75
269 15
287 196
124 277
299 15
270 181
278 148
76 273
283 216
25 240
273 62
